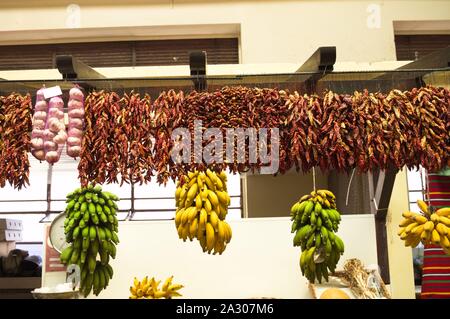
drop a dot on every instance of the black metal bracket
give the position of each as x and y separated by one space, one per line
439 59
73 69
321 62
197 64
380 196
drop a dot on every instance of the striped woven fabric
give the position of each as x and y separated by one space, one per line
436 264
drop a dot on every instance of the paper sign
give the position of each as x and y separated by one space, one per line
52 92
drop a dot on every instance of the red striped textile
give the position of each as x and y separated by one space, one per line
436 263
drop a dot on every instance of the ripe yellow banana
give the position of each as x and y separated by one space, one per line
221 232
410 241
167 283
207 205
445 211
210 183
177 194
228 231
191 195
160 294
191 175
405 222
210 237
193 228
223 197
423 206
219 247
407 214
434 218
445 243
442 229
178 217
223 176
137 283
410 227
175 287
184 216
222 212
425 237
183 194
180 231
184 232
204 193
214 219
200 180
444 220
193 212
212 175
198 202
420 219
417 230
435 237
213 198
428 226
219 184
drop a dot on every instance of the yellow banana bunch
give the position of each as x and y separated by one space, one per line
428 227
149 289
315 220
202 205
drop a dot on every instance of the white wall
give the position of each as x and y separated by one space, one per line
259 262
270 31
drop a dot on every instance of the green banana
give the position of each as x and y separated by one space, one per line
75 256
92 233
317 208
94 247
66 254
91 263
310 240
324 233
312 219
309 207
318 239
88 284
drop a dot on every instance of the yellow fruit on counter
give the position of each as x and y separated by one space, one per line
334 293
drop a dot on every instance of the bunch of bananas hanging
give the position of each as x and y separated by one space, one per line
91 228
428 227
202 204
148 289
315 219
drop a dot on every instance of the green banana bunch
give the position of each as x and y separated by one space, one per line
315 220
202 205
91 228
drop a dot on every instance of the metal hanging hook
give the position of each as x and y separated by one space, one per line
349 185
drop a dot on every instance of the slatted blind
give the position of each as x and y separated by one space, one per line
122 53
412 47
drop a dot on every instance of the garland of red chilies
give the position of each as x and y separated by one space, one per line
15 129
128 138
341 132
